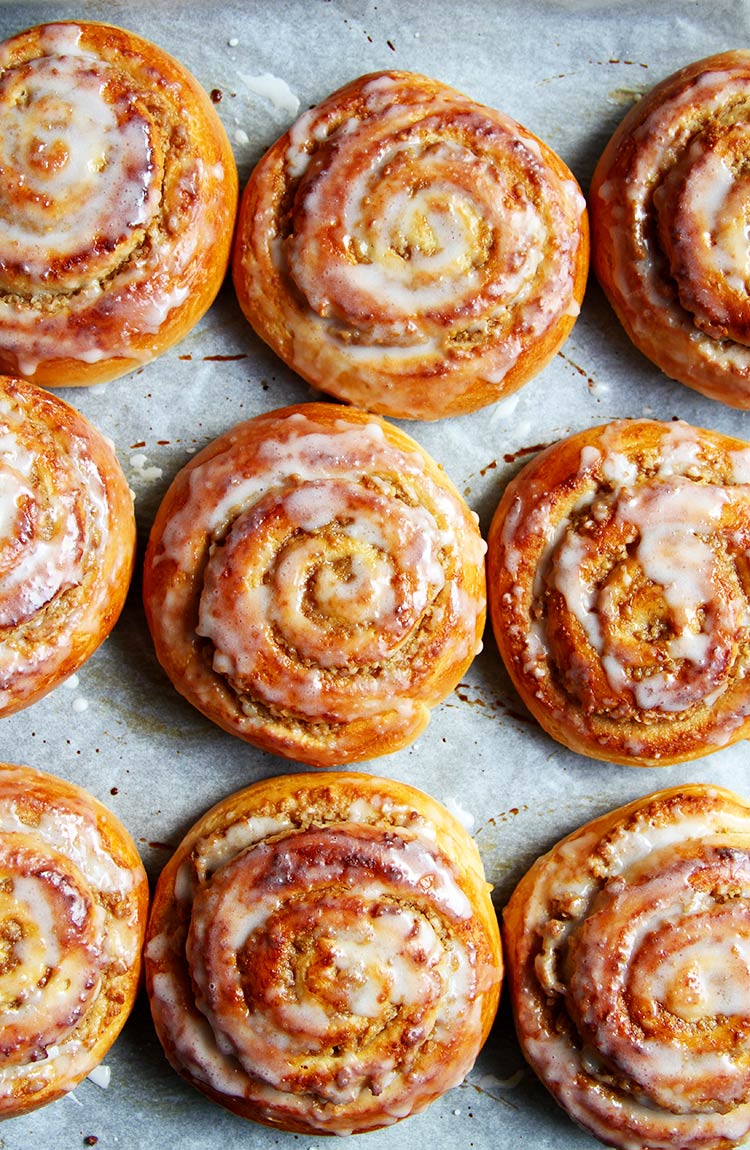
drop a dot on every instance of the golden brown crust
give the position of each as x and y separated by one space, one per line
627 952
667 204
369 971
315 584
409 251
618 589
119 203
73 910
67 543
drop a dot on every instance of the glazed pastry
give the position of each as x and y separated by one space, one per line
410 251
117 203
73 910
67 542
668 224
619 584
628 954
315 584
323 955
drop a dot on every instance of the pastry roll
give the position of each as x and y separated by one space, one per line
67 541
619 590
73 910
410 251
323 955
628 955
117 203
315 584
668 208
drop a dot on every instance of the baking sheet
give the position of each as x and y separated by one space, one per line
568 70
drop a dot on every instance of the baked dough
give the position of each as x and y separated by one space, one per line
668 211
618 584
67 541
117 203
323 955
73 910
315 584
628 957
410 251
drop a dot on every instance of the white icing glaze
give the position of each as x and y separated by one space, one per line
76 836
274 89
676 130
392 573
315 571
53 940
717 979
61 40
697 972
80 131
741 465
101 1076
371 937
676 520
48 544
61 883
98 239
450 246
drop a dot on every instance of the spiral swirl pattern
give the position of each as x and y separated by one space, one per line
619 590
410 251
59 135
48 978
117 202
67 542
629 960
73 897
314 584
323 956
668 224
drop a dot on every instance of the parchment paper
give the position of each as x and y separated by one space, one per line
568 70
